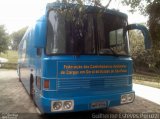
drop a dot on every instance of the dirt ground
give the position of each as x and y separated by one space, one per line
16 104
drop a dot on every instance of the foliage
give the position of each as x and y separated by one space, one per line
137 5
152 8
82 2
136 43
147 60
16 38
153 11
4 39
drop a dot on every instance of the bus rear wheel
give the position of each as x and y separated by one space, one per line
31 87
19 75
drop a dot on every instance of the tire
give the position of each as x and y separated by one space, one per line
31 87
19 75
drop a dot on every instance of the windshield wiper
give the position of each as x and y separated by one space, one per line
108 51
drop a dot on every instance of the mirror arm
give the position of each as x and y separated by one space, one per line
145 32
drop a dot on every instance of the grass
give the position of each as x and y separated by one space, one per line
12 57
148 80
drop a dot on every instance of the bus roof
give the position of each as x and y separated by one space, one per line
57 5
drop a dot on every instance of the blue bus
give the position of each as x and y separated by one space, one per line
77 58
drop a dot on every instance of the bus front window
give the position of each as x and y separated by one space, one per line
112 38
71 32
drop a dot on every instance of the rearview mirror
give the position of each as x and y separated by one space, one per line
145 32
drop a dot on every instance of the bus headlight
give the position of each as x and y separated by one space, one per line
123 99
68 105
130 97
62 105
127 98
56 106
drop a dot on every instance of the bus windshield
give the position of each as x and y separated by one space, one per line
72 32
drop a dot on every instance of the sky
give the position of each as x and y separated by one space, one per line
16 14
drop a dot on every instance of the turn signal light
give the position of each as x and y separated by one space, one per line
46 84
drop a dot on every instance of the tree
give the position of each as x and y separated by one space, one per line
16 38
137 43
82 2
152 9
4 39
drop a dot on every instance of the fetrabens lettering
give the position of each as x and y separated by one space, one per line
93 66
93 69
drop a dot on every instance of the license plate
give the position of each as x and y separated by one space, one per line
99 104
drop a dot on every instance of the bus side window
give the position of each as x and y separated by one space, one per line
39 51
24 50
50 35
20 50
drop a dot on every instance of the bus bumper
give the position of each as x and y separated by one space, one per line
46 105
